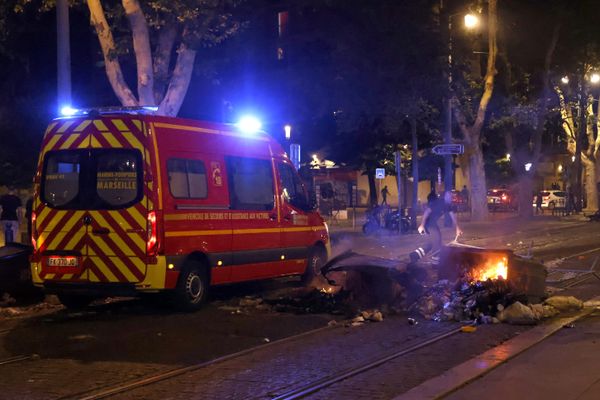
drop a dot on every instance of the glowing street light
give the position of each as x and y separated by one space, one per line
507 156
288 131
471 21
565 79
595 78
528 166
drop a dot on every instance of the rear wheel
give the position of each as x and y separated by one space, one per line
314 263
192 287
75 301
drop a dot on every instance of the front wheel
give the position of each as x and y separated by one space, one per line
314 263
370 227
192 287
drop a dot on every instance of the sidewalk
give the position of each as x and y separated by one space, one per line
564 367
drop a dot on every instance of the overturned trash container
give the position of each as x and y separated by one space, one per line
15 274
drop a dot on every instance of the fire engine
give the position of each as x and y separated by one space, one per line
127 202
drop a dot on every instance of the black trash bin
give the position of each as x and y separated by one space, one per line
14 267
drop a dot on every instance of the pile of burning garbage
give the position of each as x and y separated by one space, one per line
471 285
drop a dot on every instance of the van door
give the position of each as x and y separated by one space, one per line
62 235
256 241
295 222
118 216
96 211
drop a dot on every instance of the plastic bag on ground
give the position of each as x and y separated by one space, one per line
564 303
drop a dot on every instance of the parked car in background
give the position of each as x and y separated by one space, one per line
501 200
458 201
552 198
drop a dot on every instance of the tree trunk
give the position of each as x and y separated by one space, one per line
525 198
180 81
479 210
591 188
141 48
111 63
372 189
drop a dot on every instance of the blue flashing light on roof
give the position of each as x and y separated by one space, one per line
68 111
249 124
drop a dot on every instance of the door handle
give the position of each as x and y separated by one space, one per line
100 231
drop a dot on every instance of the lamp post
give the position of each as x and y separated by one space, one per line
471 21
63 54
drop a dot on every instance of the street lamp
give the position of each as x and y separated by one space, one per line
288 131
471 21
595 78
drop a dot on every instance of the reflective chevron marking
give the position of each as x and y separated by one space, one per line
120 255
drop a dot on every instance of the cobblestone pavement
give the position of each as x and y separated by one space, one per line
265 374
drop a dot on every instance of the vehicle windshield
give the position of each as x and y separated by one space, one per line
92 179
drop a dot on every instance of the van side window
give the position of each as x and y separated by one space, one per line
250 184
187 179
292 187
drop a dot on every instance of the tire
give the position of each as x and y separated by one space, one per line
405 226
314 262
369 228
75 301
192 287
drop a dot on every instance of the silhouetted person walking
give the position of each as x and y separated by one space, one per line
9 218
538 204
384 194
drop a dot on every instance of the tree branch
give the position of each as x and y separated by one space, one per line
111 63
491 67
162 60
179 81
141 48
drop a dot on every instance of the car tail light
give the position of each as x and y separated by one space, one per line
34 232
152 241
504 197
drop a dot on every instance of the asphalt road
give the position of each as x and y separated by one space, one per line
126 339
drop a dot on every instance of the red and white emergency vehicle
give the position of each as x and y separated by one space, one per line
131 203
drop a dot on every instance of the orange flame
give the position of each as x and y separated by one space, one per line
493 269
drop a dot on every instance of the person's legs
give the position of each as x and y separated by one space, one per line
433 245
11 231
436 238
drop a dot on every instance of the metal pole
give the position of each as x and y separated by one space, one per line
398 160
63 54
448 181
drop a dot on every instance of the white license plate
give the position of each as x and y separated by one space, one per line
62 262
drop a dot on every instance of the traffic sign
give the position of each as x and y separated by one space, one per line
443 149
379 173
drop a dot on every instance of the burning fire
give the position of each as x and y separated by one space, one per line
327 290
492 269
